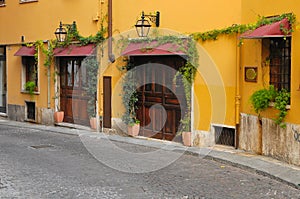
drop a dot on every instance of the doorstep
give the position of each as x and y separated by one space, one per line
72 126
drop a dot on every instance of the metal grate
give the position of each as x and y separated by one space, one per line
30 110
224 135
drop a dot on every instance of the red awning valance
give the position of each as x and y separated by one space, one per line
152 48
75 51
269 30
26 51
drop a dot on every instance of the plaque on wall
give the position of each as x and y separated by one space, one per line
251 74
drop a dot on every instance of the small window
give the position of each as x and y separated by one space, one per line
30 72
2 2
280 63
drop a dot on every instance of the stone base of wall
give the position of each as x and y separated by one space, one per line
250 134
203 139
43 115
16 112
269 139
119 125
281 143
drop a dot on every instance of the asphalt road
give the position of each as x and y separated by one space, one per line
43 164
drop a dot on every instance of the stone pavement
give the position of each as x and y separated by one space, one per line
278 170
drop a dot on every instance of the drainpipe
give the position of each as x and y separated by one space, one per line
48 86
237 95
111 56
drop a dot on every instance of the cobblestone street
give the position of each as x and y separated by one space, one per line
43 164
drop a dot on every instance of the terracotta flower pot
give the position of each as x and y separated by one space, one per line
58 116
93 123
187 138
134 130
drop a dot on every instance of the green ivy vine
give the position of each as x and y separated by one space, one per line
91 64
187 72
129 96
241 28
73 35
262 98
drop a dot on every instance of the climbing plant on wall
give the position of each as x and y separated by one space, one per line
187 72
241 28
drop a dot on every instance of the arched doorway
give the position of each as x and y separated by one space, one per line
159 109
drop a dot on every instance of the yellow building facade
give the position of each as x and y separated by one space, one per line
260 133
220 108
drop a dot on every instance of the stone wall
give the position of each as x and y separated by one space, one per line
269 139
203 138
280 143
17 113
250 134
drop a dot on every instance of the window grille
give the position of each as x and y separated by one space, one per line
224 135
280 63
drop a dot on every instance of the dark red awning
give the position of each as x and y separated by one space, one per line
269 30
26 51
75 51
152 48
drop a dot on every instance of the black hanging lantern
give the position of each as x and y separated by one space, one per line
60 33
143 25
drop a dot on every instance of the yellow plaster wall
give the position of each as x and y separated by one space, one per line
14 80
188 16
39 20
251 54
217 59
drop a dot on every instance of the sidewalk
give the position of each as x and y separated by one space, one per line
278 170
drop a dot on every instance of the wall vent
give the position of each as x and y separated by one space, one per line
30 110
224 135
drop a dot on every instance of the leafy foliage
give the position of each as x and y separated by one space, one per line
91 64
241 28
187 72
73 35
281 101
261 99
129 97
30 87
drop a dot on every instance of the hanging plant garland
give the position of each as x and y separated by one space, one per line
186 72
241 28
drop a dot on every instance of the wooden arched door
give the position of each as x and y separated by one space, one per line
159 109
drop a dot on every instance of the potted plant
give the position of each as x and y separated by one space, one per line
130 99
186 131
134 128
187 73
58 116
30 86
91 65
264 98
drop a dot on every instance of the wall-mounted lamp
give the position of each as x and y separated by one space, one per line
61 32
143 25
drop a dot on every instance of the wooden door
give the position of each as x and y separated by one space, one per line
73 98
159 108
107 102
